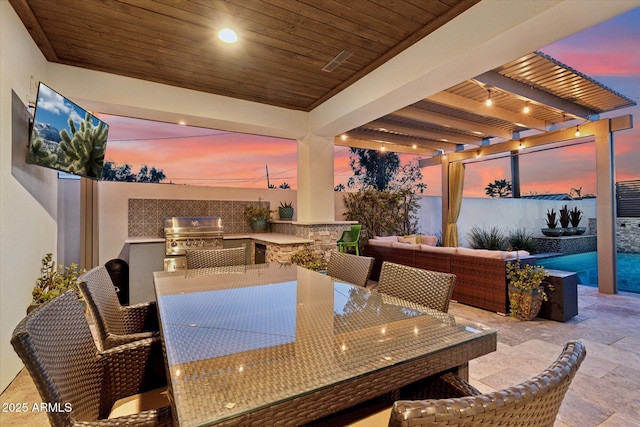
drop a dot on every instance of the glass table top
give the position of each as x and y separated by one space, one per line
241 338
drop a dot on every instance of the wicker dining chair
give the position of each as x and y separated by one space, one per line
116 324
535 402
207 258
428 288
55 343
446 400
350 268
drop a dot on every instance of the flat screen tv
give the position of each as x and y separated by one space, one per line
66 137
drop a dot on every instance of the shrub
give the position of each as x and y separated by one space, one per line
309 259
383 212
480 238
520 240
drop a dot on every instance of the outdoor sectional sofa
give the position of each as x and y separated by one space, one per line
480 274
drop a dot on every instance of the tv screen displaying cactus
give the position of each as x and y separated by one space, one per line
66 137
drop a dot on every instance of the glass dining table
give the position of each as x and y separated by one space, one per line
279 344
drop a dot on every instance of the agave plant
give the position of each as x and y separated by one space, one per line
564 217
575 215
552 222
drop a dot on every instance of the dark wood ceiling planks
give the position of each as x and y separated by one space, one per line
278 61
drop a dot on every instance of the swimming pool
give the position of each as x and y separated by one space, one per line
586 266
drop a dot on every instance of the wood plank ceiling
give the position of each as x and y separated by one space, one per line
284 45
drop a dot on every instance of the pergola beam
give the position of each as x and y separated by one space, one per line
376 145
586 130
497 80
418 114
475 107
452 139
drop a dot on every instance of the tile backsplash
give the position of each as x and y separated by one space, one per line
145 216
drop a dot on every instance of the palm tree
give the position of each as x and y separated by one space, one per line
499 188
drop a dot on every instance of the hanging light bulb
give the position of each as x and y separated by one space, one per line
488 102
577 131
526 108
383 148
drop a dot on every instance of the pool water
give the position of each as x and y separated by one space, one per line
586 267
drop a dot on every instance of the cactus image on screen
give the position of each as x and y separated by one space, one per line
66 137
84 148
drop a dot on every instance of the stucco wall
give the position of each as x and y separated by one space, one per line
504 213
28 194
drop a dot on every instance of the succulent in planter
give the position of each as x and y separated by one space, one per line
575 215
564 222
552 223
54 281
285 211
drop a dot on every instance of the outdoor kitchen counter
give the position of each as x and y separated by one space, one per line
272 238
146 255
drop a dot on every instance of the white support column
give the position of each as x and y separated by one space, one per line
315 179
606 208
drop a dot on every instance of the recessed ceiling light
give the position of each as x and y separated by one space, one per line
227 35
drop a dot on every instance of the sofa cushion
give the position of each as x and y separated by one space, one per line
386 238
484 253
438 249
378 242
427 240
408 239
404 245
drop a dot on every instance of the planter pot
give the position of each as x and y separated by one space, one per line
259 225
552 232
285 213
580 230
569 231
525 305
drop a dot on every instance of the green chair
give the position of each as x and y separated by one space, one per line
350 238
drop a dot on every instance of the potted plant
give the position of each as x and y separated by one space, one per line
552 223
285 211
575 215
257 217
526 291
54 281
564 222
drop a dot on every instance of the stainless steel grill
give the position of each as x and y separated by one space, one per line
190 232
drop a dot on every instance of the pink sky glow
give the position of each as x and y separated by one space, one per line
198 156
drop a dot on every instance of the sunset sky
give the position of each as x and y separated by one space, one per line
607 53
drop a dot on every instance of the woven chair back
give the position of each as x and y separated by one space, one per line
55 343
98 290
428 288
534 403
208 258
350 268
